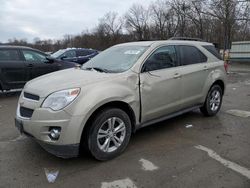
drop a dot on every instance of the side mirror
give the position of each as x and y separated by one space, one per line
49 59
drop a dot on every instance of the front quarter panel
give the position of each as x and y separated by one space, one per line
124 88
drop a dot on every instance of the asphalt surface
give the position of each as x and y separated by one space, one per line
167 154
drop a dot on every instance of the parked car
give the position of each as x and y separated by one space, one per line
20 64
124 88
77 55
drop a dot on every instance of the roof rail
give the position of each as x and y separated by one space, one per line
185 38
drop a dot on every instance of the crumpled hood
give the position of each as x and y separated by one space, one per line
65 79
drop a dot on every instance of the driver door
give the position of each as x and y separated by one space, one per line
160 84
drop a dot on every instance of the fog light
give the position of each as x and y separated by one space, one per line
54 133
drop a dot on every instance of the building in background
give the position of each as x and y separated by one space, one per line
240 51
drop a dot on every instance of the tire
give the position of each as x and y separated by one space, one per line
213 101
111 142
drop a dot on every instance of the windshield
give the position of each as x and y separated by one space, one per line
58 53
116 59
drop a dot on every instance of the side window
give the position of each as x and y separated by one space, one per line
70 54
83 53
191 55
30 55
164 57
9 55
213 51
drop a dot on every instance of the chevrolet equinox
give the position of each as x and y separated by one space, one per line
124 88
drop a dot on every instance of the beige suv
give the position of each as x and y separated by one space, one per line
124 88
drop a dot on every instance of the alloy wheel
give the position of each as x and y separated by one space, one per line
215 100
111 134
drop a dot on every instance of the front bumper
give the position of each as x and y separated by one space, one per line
43 119
63 151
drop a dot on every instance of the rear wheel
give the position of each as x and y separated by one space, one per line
109 134
213 101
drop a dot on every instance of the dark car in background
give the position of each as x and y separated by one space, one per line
77 55
20 64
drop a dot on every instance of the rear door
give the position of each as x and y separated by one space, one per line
83 56
160 84
194 70
13 70
37 63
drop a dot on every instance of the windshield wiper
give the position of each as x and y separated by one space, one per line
97 69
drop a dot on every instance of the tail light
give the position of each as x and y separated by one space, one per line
226 66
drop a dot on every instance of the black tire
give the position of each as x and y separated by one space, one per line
208 109
101 120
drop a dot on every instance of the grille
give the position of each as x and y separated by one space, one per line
31 96
26 112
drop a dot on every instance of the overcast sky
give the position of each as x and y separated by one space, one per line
55 18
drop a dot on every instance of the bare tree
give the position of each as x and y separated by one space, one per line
228 12
159 16
243 21
196 16
111 25
220 21
181 7
137 19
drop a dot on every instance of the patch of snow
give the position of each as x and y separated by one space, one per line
123 183
189 126
147 165
239 113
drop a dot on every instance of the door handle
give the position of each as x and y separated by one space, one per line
177 75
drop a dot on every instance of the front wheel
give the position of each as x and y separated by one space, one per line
109 134
213 101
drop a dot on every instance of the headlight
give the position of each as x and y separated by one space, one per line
60 99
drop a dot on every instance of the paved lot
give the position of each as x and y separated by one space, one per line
163 155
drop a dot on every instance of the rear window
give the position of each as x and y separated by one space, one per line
9 55
213 51
84 52
191 55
